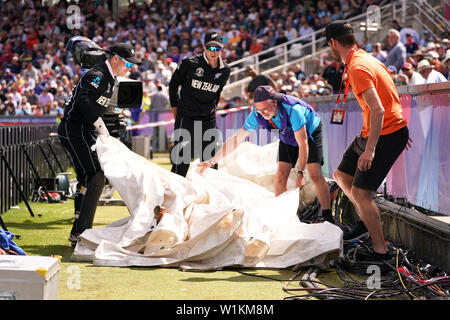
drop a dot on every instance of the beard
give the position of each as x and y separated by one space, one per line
336 55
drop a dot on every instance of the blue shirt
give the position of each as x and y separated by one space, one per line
299 115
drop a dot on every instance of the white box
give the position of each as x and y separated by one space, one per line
29 277
141 145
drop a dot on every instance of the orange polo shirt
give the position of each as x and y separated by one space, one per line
365 72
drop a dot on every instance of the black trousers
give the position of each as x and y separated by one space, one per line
78 141
194 139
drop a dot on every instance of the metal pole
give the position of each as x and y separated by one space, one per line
2 224
2 154
54 155
49 197
47 160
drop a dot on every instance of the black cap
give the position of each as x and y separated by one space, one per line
124 50
213 38
263 93
336 29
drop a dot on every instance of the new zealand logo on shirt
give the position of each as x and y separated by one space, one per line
217 75
199 72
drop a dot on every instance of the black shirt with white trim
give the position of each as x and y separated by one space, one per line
201 86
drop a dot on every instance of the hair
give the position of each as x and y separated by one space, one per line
394 31
347 40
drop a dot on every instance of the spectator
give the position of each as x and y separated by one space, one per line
31 97
10 100
392 71
428 73
257 80
32 72
433 58
411 45
160 100
45 98
25 110
414 77
333 75
397 51
305 30
256 46
10 109
35 33
299 74
9 76
446 64
396 25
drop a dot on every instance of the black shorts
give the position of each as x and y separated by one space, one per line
388 148
288 153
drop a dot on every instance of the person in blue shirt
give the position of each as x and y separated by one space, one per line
300 135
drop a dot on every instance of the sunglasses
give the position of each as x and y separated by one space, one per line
127 64
213 48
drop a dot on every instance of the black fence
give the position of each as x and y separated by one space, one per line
23 148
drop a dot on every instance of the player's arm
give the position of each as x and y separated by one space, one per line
176 81
301 137
90 101
229 146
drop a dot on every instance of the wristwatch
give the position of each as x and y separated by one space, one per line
301 172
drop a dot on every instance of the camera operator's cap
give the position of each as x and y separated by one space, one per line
263 93
126 51
336 29
213 38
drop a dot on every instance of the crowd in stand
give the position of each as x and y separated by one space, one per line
37 73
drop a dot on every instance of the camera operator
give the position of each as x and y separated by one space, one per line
89 101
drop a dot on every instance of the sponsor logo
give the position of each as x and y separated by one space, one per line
104 101
217 75
205 86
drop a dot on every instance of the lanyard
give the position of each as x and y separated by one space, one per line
273 124
347 83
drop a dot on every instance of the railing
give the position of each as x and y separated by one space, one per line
16 173
293 52
285 50
422 13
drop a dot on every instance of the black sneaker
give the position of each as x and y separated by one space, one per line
324 217
73 238
359 231
376 257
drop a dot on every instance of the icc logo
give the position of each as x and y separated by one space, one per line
199 72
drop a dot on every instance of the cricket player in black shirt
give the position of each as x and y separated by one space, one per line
201 78
89 101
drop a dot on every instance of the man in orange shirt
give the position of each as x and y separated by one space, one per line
384 135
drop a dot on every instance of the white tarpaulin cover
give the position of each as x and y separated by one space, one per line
226 217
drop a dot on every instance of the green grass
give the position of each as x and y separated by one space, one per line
46 234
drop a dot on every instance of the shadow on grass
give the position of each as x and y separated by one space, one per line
243 276
37 225
65 251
